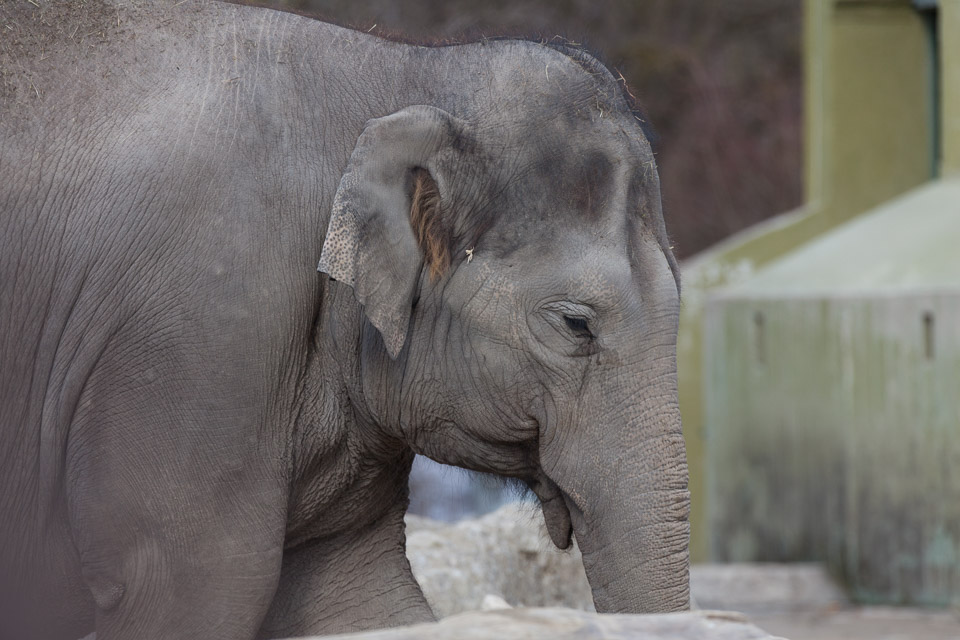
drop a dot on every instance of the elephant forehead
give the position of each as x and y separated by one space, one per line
592 195
585 161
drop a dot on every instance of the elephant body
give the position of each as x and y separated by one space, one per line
201 435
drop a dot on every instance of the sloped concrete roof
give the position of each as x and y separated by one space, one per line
911 243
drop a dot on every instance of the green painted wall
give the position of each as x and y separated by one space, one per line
950 85
876 105
868 100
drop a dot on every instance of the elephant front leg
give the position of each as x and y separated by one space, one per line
178 524
357 581
155 574
148 582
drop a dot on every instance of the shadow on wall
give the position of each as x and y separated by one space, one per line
446 493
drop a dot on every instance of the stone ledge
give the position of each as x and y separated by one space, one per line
557 623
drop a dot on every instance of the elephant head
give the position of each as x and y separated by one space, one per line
523 303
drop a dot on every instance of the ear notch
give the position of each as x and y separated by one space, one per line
427 221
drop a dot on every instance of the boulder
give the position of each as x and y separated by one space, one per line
506 554
555 623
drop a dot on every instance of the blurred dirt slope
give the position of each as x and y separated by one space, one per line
720 81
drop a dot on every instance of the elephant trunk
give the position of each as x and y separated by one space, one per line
629 506
638 563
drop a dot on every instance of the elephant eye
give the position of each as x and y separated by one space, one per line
579 327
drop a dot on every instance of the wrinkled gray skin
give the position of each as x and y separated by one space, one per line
203 437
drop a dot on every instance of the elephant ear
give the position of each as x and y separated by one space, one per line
386 220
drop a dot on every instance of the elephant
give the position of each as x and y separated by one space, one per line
252 263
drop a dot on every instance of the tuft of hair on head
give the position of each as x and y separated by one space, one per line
426 218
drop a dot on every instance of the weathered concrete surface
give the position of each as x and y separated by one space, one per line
555 623
831 390
864 623
506 553
765 589
835 439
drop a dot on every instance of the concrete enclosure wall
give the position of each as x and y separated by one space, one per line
833 435
833 404
869 99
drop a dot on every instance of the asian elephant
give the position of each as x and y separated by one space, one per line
203 437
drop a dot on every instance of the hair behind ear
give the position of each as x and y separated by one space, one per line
426 217
381 231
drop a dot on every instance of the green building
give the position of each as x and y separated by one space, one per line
820 352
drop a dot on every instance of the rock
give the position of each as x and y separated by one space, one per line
492 603
506 553
524 624
422 523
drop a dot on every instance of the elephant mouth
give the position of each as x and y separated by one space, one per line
556 514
